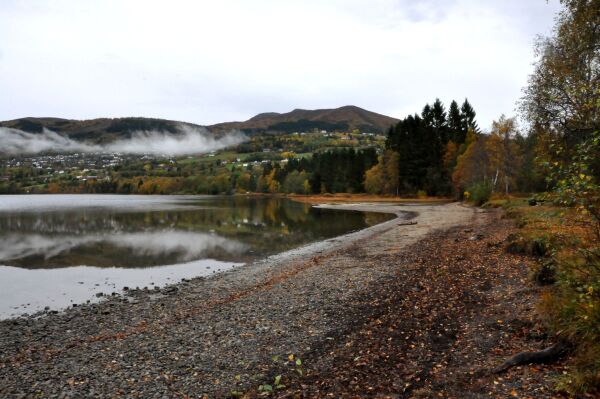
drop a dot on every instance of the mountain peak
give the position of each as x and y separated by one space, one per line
348 117
264 115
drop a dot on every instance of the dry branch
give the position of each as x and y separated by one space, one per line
547 355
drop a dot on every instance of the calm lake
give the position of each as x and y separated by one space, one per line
57 250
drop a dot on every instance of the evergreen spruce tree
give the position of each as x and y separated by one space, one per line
427 115
468 117
420 142
439 114
457 133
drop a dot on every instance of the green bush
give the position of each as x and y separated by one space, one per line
480 193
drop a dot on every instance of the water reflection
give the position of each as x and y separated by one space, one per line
120 249
30 290
110 231
64 249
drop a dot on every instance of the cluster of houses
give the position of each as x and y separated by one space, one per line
342 136
83 166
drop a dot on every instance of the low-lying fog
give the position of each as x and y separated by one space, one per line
189 140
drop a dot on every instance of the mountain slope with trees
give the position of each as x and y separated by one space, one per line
345 118
102 130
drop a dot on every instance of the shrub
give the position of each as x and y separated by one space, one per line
572 310
480 193
531 246
544 273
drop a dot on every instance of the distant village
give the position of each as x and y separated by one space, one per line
84 166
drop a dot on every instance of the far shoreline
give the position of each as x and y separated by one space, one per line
314 199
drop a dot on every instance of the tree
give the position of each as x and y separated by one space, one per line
294 183
575 185
383 178
468 117
261 185
562 105
243 182
306 187
439 114
562 94
374 180
531 175
503 152
271 182
422 141
450 155
427 115
221 183
340 170
391 169
455 126
472 166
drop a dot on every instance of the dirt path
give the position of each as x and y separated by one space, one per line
322 303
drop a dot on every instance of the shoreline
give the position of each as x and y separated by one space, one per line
319 199
338 242
201 333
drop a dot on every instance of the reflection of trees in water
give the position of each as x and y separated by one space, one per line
268 213
372 218
266 225
297 213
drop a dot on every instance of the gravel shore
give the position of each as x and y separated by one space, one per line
213 336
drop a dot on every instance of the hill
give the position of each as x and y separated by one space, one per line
342 119
103 130
99 130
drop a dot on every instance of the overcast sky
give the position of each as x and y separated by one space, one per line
223 60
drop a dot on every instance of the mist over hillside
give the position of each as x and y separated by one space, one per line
30 134
183 139
100 130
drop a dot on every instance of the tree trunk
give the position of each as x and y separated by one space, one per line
495 180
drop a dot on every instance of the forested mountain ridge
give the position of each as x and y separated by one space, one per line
100 130
103 130
344 118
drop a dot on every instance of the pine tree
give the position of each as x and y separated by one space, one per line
457 133
427 115
439 114
468 117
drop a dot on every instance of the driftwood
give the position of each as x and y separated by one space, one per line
547 355
407 223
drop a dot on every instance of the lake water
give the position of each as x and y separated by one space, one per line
57 250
